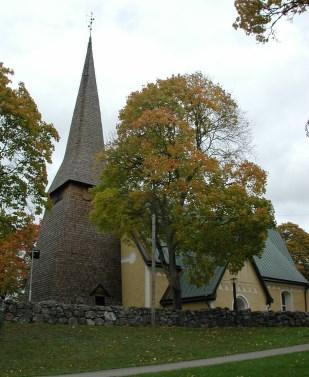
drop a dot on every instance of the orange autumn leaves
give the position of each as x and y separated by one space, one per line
165 143
179 154
259 17
297 241
15 248
204 106
26 145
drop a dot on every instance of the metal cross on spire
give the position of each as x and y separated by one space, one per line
90 22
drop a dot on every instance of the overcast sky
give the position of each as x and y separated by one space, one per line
138 41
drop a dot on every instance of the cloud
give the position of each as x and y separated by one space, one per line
136 42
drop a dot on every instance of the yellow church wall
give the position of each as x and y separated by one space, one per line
136 286
136 278
297 294
132 275
161 285
247 285
195 306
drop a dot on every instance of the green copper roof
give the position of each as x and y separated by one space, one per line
189 290
275 263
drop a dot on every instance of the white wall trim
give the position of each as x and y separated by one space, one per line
147 287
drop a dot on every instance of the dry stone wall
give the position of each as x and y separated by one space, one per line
52 312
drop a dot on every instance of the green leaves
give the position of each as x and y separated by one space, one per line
297 241
177 155
206 107
259 17
26 145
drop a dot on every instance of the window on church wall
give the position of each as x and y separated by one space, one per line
242 303
286 301
57 197
86 196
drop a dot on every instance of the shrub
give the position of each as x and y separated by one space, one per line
1 317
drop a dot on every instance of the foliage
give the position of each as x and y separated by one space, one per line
259 17
220 130
297 241
1 316
25 148
14 251
211 211
57 349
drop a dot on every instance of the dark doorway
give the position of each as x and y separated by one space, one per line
100 300
100 295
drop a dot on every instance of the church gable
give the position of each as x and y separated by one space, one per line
249 289
101 296
252 290
99 290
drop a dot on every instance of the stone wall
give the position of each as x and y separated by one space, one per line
51 312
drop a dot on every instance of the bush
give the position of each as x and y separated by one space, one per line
1 317
1 312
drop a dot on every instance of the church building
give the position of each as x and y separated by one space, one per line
269 282
79 265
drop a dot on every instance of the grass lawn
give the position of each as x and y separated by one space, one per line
41 349
293 365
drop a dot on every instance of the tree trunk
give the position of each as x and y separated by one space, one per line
174 280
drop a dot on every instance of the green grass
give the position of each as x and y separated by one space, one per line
292 365
41 349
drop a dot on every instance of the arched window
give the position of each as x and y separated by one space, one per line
242 303
285 301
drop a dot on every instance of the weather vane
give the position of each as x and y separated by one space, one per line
90 22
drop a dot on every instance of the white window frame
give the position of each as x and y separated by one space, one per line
243 298
286 307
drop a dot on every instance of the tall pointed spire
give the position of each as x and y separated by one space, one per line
86 136
76 260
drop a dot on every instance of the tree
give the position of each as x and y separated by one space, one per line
297 241
15 250
259 17
220 129
169 159
25 148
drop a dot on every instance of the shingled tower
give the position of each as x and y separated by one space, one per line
78 265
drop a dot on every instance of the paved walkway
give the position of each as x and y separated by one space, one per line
191 364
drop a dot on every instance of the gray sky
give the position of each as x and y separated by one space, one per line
138 41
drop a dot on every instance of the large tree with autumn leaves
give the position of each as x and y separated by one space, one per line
15 253
178 155
26 145
297 241
259 17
